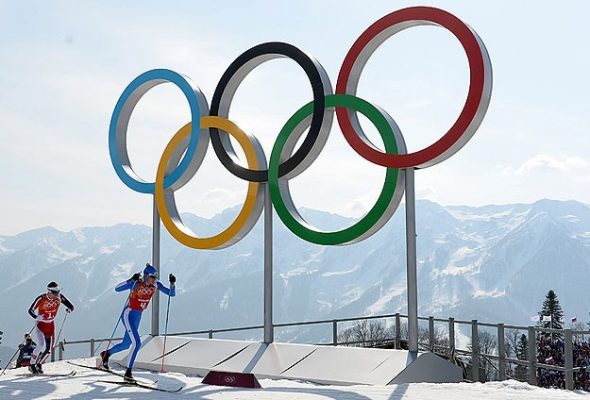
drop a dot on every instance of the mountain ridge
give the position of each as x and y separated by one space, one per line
473 263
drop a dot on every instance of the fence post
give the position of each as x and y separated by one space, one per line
398 331
451 336
431 333
569 360
210 333
501 353
532 356
474 351
61 351
92 347
334 332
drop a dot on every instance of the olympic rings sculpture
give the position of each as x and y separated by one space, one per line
185 152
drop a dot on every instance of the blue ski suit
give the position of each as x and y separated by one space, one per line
139 298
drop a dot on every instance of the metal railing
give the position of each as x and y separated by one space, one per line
93 342
448 349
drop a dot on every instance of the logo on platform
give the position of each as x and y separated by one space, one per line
184 154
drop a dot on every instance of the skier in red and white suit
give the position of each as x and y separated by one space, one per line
44 309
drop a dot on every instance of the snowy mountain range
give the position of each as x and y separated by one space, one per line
491 263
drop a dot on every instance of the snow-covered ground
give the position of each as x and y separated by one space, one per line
19 385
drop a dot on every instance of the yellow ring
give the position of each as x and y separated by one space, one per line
176 227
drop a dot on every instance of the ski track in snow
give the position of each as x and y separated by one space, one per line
83 386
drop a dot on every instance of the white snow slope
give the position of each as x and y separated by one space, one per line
19 385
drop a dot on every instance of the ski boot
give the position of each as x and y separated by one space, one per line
39 368
33 369
129 377
104 356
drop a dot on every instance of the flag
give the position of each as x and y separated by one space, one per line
574 320
546 318
536 318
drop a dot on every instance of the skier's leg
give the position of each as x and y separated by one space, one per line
126 342
135 319
48 346
48 331
40 339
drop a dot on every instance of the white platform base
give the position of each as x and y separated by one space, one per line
321 364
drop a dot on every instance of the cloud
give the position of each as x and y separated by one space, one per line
544 162
426 193
218 194
215 201
359 206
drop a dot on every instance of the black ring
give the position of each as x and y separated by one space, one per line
312 71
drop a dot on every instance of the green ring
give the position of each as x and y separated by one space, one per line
356 231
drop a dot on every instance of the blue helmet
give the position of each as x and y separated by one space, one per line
149 270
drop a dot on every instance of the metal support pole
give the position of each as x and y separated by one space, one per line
156 264
451 336
92 347
210 333
411 261
60 351
431 333
474 351
532 343
268 268
334 332
501 353
398 331
569 360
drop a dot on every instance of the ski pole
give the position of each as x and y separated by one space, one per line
165 334
61 327
14 355
116 325
112 334
56 341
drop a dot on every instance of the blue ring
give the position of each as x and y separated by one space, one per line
190 92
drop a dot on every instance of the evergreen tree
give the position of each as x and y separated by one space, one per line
551 308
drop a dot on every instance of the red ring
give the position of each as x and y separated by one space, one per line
421 158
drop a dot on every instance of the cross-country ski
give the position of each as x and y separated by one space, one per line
142 385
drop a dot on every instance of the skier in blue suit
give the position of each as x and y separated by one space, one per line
142 290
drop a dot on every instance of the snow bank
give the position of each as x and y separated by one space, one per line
19 385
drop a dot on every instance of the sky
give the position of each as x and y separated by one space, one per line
64 65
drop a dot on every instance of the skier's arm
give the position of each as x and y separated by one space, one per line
33 306
128 284
124 285
66 302
170 292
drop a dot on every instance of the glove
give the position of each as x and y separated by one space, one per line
69 310
172 279
135 277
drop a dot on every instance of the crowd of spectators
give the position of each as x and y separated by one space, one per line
551 351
